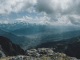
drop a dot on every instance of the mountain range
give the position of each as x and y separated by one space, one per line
31 35
71 46
62 39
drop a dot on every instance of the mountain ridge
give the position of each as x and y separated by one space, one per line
9 48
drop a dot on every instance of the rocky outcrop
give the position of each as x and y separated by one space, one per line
41 54
9 48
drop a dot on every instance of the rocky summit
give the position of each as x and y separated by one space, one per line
40 54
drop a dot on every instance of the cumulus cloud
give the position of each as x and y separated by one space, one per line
8 6
75 19
57 12
57 9
52 6
4 21
58 6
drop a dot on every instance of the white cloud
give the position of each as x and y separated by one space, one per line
58 9
8 6
4 21
57 12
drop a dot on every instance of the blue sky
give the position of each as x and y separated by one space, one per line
53 12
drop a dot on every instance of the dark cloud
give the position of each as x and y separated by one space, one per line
58 8
75 20
43 6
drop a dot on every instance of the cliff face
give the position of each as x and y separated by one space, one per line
9 48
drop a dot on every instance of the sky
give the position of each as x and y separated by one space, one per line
53 12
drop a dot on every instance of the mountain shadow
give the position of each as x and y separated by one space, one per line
9 48
71 46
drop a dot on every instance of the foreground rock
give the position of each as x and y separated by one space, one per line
41 54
